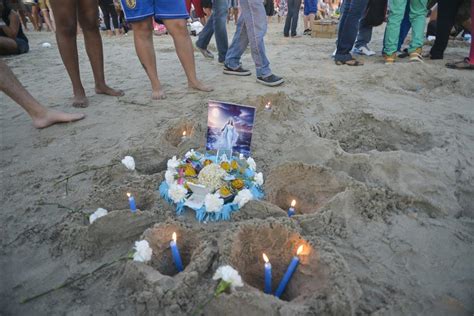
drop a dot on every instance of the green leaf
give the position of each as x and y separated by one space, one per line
222 287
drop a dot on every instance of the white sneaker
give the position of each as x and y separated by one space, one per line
364 50
334 53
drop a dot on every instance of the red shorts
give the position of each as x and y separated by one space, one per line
197 7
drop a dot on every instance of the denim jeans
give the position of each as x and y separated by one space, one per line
216 23
251 29
291 22
364 36
352 11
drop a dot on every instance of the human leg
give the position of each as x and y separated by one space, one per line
239 44
404 27
87 14
418 21
392 30
364 35
143 38
8 46
41 116
447 10
294 20
255 24
66 24
115 19
347 34
106 15
289 17
184 50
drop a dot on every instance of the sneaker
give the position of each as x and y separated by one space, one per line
334 53
236 72
416 56
364 50
307 32
404 53
389 59
206 53
271 81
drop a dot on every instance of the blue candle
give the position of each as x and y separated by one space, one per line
131 201
268 275
289 273
176 256
291 210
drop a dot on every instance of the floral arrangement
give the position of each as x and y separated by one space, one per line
229 184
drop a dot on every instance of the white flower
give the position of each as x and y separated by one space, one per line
190 153
143 251
173 163
229 274
101 212
252 164
259 179
129 162
241 156
169 176
177 192
243 197
213 202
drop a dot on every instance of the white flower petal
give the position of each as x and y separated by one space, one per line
259 179
243 197
213 202
101 212
129 162
177 192
143 252
252 164
173 163
169 176
229 274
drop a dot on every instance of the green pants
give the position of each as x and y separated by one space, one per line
395 16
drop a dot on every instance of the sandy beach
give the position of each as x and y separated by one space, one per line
380 158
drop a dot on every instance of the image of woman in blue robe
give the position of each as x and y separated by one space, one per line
228 137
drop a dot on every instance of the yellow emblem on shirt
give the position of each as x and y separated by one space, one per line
131 3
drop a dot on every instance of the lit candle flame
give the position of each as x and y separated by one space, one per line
128 194
300 250
293 203
269 104
174 237
265 258
184 133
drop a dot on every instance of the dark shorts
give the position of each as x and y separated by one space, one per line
310 7
138 10
23 46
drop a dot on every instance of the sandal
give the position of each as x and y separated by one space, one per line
416 56
461 65
350 62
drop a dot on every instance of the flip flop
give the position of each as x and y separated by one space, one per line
350 62
461 65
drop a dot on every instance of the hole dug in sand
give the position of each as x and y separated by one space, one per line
310 186
174 134
280 245
115 197
281 104
363 132
149 161
159 238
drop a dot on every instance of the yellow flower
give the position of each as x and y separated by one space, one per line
207 162
234 165
237 184
225 165
189 171
224 191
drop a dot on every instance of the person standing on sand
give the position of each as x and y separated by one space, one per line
291 22
42 117
418 12
310 10
66 13
216 23
173 14
251 29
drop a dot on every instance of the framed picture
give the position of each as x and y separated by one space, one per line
229 128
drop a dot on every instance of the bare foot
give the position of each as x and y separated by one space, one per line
109 91
198 85
80 101
158 95
53 117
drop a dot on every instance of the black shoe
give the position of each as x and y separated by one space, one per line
271 81
404 54
307 32
236 72
286 35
